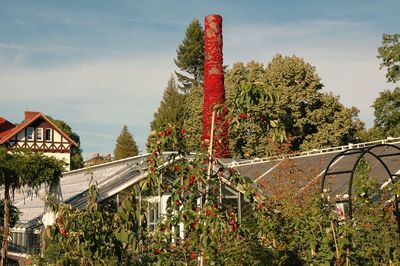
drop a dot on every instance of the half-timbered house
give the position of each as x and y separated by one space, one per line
37 133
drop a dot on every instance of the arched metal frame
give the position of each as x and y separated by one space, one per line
362 152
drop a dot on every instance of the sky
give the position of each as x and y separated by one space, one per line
99 65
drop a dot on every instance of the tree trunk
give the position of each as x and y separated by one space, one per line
6 225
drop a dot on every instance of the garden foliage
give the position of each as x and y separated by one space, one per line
304 230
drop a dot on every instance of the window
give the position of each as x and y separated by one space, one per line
48 134
39 134
152 217
29 133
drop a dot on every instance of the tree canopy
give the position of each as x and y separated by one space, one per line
311 118
76 152
171 110
387 104
190 56
389 53
125 145
24 169
387 112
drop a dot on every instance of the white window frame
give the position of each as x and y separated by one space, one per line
50 135
29 133
39 133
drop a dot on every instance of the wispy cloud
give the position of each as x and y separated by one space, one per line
96 97
343 52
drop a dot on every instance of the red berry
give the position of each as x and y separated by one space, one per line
231 214
152 170
157 251
178 203
208 212
232 222
193 255
367 226
242 116
63 232
168 132
260 206
161 134
193 225
183 131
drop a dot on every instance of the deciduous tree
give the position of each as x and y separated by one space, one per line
24 169
389 53
387 112
311 118
76 152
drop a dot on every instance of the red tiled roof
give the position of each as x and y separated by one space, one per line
5 127
30 117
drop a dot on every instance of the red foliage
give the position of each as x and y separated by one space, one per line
214 92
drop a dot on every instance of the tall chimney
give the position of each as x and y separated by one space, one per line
214 92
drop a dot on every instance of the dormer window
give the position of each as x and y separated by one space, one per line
29 133
48 134
39 134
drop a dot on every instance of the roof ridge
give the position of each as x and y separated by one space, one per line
313 152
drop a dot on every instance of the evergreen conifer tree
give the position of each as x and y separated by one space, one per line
193 117
125 145
171 109
190 57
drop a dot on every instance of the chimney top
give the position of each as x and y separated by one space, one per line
30 114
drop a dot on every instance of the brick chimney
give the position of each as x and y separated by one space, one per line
30 114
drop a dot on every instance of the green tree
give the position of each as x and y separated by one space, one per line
24 169
389 53
297 85
387 112
193 122
14 215
190 57
171 109
311 118
125 145
86 237
247 138
335 124
76 152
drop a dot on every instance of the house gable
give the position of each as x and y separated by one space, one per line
37 133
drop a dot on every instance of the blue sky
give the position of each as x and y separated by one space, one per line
101 64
